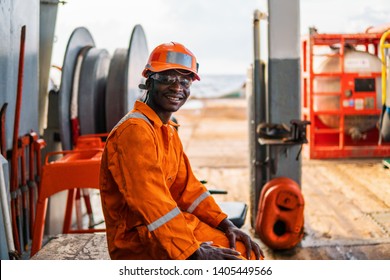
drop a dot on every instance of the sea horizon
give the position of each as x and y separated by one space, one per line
218 86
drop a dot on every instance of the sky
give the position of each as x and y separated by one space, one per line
218 32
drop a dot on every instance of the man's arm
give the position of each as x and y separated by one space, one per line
193 197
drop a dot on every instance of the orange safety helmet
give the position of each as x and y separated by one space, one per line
171 56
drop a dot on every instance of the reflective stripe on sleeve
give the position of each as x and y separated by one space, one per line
197 201
164 219
134 115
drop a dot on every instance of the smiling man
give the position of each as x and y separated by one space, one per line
153 205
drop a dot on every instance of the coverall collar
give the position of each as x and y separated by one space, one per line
150 114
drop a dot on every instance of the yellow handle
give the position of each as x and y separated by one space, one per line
383 45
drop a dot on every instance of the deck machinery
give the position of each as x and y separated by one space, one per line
341 95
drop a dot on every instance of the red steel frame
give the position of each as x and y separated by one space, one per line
325 142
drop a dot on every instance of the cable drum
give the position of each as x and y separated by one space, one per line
138 56
74 102
116 88
79 39
124 76
92 90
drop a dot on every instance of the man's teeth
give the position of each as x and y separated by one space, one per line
173 98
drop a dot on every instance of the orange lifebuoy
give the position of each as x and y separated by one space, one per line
279 221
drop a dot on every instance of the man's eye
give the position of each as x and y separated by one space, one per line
185 82
171 80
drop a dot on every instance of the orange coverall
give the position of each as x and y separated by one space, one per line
153 205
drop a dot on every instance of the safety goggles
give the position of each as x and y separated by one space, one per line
170 79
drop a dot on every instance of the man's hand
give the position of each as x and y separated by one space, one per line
208 252
233 234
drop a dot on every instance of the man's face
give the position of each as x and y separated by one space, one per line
169 91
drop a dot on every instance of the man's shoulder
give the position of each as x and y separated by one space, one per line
133 125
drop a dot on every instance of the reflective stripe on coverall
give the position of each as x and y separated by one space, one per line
153 205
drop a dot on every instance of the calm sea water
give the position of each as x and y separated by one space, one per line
210 86
216 86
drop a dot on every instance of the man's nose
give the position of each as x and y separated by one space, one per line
177 86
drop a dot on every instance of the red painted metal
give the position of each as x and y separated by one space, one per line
31 182
324 141
77 169
3 141
24 142
280 220
15 195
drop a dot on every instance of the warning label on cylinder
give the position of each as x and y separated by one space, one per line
359 104
357 63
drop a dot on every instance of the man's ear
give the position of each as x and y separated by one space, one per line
148 84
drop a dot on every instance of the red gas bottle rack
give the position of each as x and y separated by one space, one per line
334 142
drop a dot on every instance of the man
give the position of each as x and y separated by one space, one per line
153 205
